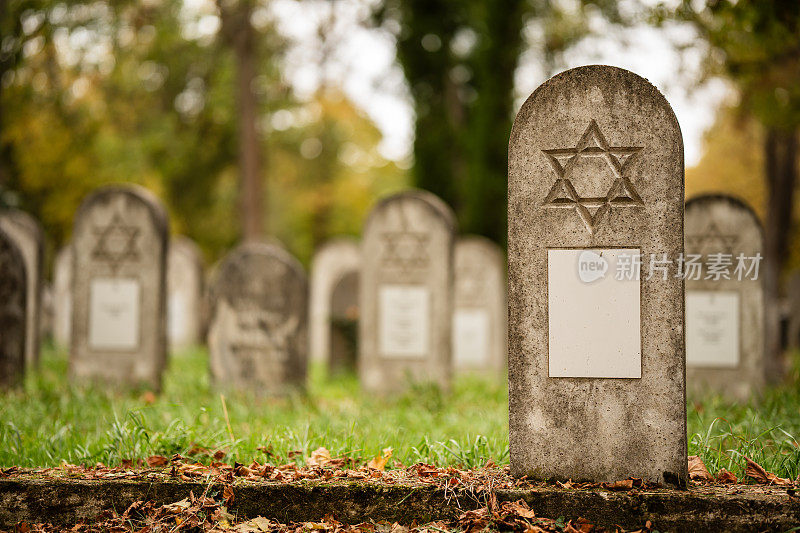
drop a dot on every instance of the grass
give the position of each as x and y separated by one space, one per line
51 421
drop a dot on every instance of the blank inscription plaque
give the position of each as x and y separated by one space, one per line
471 336
404 321
712 328
114 314
593 323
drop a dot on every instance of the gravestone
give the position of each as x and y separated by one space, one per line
13 313
480 311
46 315
406 293
184 293
258 332
596 353
119 244
62 296
793 330
333 261
724 317
27 235
344 323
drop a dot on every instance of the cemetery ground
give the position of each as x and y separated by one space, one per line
54 431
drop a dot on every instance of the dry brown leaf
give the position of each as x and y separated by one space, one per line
521 509
757 472
156 460
625 484
379 462
698 470
723 476
319 457
227 495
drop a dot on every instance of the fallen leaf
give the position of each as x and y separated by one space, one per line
379 462
178 506
227 495
148 397
723 476
757 472
698 470
319 457
521 509
625 484
156 460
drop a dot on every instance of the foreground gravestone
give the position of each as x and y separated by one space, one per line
480 310
335 260
119 264
27 234
184 293
406 293
62 296
13 312
257 335
724 297
596 353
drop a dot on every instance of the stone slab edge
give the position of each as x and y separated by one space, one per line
68 501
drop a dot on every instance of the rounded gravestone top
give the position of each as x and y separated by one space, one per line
137 192
436 205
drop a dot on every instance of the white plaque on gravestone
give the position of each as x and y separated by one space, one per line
594 307
471 336
712 328
404 321
114 314
177 316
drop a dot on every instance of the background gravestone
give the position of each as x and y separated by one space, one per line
46 314
480 313
334 260
258 332
793 330
184 293
119 265
596 364
724 317
344 323
13 315
62 296
27 235
406 293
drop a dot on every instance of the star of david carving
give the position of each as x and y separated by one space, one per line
116 243
470 283
712 240
591 210
406 250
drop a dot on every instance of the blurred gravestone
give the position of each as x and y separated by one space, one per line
480 314
724 297
257 335
13 315
344 323
46 318
27 235
596 354
119 244
184 293
406 293
334 260
793 291
62 296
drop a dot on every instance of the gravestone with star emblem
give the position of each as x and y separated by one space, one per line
119 246
334 260
596 352
480 310
184 293
29 238
62 296
257 336
406 293
724 314
13 312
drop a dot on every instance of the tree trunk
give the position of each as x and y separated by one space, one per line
780 153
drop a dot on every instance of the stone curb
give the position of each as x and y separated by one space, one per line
729 508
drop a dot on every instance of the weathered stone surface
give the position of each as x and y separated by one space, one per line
734 508
119 302
406 293
481 312
62 296
596 365
27 234
184 293
724 317
13 312
793 293
336 259
258 332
